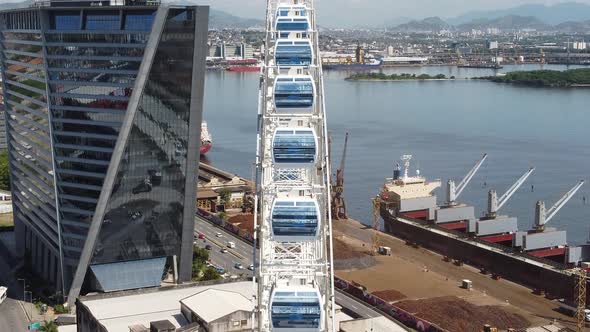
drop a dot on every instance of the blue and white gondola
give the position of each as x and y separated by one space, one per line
297 309
291 10
292 147
293 52
294 93
295 220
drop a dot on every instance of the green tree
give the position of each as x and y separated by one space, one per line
4 173
210 274
201 254
48 326
225 196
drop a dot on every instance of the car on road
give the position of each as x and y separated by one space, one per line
208 247
201 236
223 250
219 269
251 267
231 245
218 234
238 266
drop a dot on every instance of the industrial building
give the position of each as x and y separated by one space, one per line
220 306
230 52
103 104
232 311
213 182
209 306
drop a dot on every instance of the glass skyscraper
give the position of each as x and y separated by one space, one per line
103 111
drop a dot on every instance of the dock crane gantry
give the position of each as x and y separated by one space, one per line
453 191
542 216
375 237
338 204
495 203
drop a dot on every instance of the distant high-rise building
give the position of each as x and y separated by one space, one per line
580 45
390 51
492 45
103 106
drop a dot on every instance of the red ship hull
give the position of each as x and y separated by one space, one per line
243 68
205 147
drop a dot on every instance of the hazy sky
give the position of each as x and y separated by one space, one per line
367 10
332 12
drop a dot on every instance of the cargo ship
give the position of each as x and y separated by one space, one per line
347 63
206 139
481 65
245 65
539 258
370 65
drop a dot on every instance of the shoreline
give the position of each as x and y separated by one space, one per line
407 80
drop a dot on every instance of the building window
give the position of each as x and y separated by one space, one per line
65 21
102 21
139 22
236 323
244 322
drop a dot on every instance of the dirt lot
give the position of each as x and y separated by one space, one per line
455 314
244 221
421 274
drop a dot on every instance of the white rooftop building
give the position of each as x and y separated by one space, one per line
218 310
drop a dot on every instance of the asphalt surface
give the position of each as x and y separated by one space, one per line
243 254
12 316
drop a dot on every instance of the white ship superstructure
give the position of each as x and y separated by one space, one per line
294 272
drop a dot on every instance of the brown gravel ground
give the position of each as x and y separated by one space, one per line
455 314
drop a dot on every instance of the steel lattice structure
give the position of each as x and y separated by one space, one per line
294 274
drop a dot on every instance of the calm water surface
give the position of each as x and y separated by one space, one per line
446 125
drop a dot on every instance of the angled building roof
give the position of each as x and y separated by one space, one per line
213 304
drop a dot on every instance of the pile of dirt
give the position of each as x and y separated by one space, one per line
344 251
244 221
389 295
240 218
454 314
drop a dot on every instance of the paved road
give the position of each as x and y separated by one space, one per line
12 316
242 253
244 249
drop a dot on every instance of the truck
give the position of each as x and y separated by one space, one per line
571 309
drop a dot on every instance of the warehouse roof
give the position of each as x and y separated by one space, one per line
213 304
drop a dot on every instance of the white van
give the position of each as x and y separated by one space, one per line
231 245
3 293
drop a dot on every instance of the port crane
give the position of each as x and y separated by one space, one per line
495 203
338 204
453 191
543 216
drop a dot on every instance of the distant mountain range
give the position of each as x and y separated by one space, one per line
566 17
508 22
427 24
553 15
220 20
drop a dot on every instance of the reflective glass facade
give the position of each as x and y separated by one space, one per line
69 75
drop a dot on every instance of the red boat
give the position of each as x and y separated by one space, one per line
206 140
243 65
243 68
